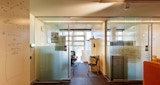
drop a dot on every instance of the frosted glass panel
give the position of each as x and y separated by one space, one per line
52 60
52 65
126 51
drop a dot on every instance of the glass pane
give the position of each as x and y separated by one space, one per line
126 52
120 33
78 38
78 51
108 38
65 33
70 43
52 58
71 33
108 43
108 32
119 38
88 35
68 38
78 33
78 43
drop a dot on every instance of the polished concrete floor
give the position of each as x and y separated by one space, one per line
82 77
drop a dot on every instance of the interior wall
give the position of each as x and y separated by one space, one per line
32 49
51 61
139 34
156 40
134 55
14 42
103 60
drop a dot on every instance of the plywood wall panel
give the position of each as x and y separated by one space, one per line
14 42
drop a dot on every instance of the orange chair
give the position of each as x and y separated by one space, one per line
151 73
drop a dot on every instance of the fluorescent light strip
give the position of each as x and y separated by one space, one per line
69 21
130 21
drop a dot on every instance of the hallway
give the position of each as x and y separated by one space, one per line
80 77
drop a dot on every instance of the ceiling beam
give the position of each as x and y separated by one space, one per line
129 0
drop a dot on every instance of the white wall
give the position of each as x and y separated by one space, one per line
103 53
14 42
156 40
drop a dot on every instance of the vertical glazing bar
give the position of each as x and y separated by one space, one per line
105 44
149 34
151 41
68 53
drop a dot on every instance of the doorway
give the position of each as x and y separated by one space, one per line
55 43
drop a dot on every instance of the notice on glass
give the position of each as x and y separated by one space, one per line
54 37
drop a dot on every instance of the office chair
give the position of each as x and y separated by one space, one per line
94 64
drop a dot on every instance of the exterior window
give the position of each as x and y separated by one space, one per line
78 33
119 36
78 38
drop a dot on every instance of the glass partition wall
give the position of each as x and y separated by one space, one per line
57 43
52 53
128 45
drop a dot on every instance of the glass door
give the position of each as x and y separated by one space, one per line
128 45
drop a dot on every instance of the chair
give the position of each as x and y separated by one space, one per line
94 64
73 57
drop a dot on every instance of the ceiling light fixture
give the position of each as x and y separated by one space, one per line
73 21
133 21
126 6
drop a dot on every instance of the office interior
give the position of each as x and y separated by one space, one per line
122 39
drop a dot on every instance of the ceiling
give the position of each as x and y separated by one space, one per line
94 8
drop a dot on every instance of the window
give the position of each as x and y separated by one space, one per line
78 33
76 40
119 36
